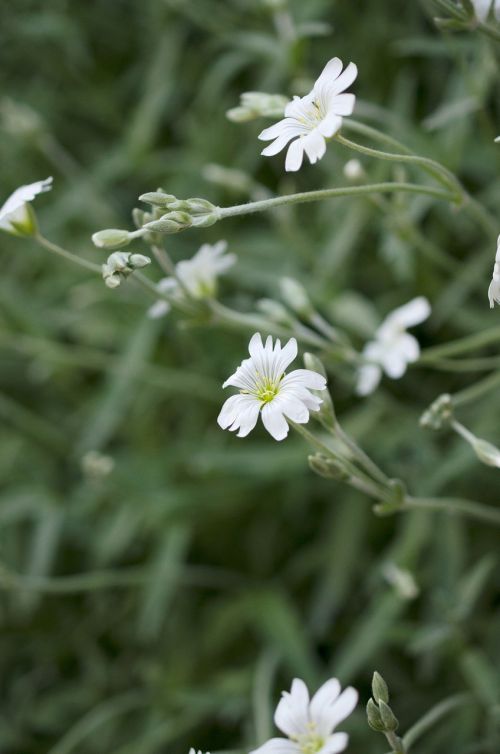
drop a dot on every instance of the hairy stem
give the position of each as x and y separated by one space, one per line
68 255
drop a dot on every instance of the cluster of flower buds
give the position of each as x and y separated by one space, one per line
120 265
257 105
439 412
380 716
181 213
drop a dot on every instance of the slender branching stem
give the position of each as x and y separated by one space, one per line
68 255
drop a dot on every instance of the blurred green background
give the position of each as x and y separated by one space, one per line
166 603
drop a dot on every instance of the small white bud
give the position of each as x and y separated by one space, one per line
138 261
112 281
353 170
111 238
295 295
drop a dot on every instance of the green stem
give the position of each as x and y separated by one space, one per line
433 716
492 382
438 171
357 477
314 196
453 505
184 306
68 255
361 456
469 343
395 743
238 320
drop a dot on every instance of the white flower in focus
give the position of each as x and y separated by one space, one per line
309 723
197 276
265 389
483 7
311 119
15 215
494 289
393 348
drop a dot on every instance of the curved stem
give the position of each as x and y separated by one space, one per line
455 506
68 255
433 716
462 345
438 171
469 394
314 196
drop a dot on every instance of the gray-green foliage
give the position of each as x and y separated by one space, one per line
165 604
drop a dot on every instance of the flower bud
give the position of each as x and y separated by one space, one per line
373 715
111 238
257 104
389 719
158 199
274 310
379 688
112 281
138 261
295 296
328 468
353 170
487 453
138 217
117 262
439 412
172 222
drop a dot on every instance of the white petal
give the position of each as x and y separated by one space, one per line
368 379
286 127
278 746
329 73
287 355
321 702
334 744
342 104
24 194
234 411
345 79
248 418
277 426
292 712
411 314
277 145
158 309
305 378
294 156
343 707
408 347
394 363
314 146
293 408
482 8
330 124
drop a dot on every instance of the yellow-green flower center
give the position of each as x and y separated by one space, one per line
265 389
310 743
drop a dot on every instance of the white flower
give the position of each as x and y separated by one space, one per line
266 389
311 119
483 7
393 348
196 276
15 216
309 724
494 289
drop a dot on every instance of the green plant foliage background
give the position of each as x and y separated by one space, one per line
166 605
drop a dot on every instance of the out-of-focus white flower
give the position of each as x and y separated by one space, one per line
310 723
265 389
311 119
483 8
353 170
193 751
393 348
196 276
16 216
494 289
